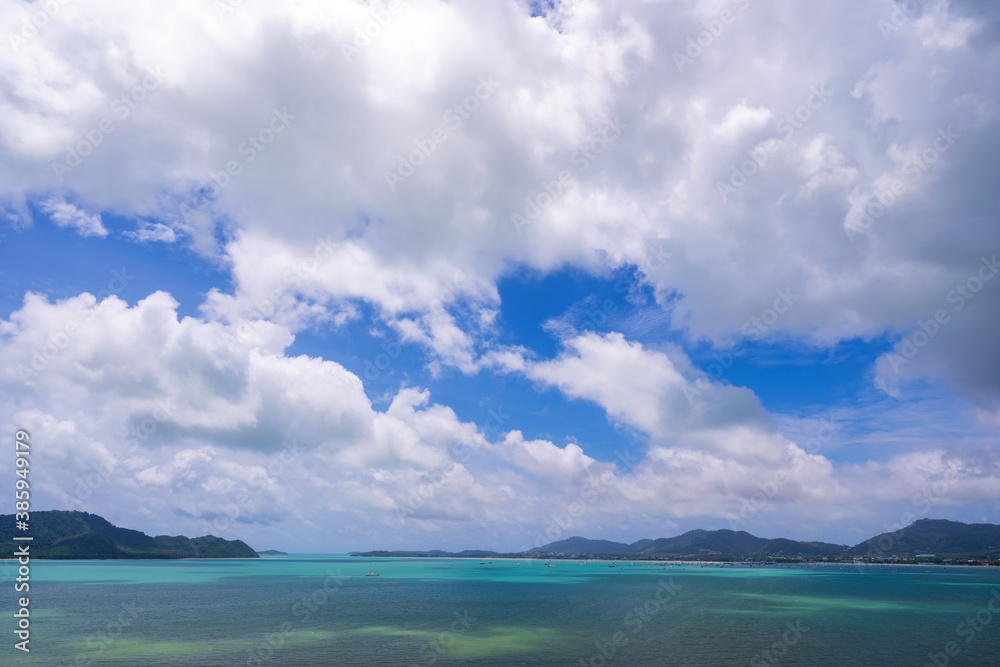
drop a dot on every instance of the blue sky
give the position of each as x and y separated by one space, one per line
787 376
422 281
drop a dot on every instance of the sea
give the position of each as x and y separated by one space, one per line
327 610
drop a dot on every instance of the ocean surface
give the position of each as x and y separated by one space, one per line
323 610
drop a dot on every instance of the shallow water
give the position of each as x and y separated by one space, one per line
323 610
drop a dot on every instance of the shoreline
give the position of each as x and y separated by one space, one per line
720 563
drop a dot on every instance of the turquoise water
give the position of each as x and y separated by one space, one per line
323 610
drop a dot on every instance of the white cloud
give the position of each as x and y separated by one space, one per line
65 214
588 63
937 28
176 423
152 232
644 388
561 465
310 231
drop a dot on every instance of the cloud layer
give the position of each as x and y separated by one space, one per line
346 160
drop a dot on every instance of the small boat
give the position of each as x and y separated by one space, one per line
373 572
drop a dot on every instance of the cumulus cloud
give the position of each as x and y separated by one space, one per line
67 215
152 232
820 131
174 417
855 179
657 392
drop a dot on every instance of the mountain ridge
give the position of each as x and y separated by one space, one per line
74 535
941 538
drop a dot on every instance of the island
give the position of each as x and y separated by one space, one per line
272 552
924 541
72 535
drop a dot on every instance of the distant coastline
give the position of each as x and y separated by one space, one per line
923 542
677 561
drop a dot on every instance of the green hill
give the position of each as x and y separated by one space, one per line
944 539
725 543
80 535
581 545
698 542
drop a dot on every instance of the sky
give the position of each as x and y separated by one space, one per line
342 275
